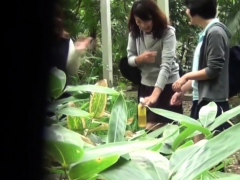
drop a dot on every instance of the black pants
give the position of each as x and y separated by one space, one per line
222 106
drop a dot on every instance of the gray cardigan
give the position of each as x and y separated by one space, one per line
165 69
214 57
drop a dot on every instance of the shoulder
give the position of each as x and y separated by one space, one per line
216 30
219 31
218 35
130 36
169 32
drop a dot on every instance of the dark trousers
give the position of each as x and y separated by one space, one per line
222 107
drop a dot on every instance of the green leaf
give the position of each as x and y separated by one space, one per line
119 148
172 131
186 144
64 145
180 155
156 133
233 22
226 176
57 81
210 152
55 171
138 135
175 116
207 114
181 137
95 177
152 163
92 88
72 111
224 117
87 169
124 170
53 106
118 121
83 95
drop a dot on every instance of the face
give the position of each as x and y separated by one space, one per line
145 26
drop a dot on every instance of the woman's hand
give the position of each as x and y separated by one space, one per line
179 83
147 57
83 44
148 101
177 99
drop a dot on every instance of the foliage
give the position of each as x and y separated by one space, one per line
117 156
82 17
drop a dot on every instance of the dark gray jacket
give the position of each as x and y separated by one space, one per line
214 56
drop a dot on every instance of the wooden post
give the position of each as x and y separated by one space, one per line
164 6
106 41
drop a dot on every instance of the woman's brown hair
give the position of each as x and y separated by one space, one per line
59 31
147 10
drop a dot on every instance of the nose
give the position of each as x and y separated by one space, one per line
143 26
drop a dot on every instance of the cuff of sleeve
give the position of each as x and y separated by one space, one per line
131 61
161 82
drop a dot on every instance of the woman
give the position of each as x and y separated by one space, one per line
152 48
66 54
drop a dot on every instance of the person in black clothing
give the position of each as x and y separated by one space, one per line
66 54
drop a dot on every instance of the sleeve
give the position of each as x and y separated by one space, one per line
168 58
74 59
215 54
131 50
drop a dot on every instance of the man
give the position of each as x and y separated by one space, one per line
209 77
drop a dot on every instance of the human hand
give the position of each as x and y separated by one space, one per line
83 44
179 83
147 56
177 99
148 101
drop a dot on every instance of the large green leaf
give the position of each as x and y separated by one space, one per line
125 170
180 155
211 153
92 88
53 106
88 169
170 133
64 145
226 176
72 111
138 135
175 116
153 163
119 148
225 117
57 81
98 101
221 119
156 132
207 114
118 121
